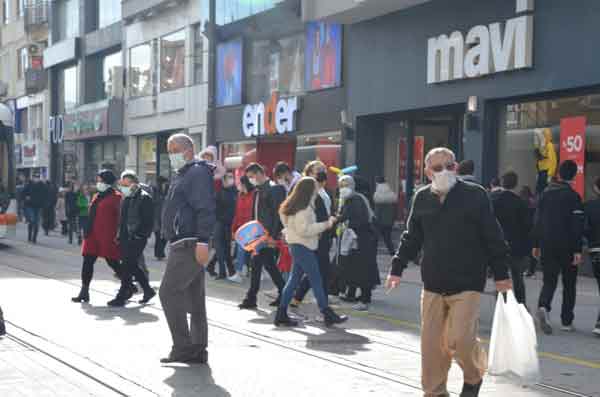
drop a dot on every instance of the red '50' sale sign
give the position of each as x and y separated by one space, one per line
572 147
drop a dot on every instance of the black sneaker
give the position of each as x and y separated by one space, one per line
200 357
117 302
275 303
470 390
247 305
148 295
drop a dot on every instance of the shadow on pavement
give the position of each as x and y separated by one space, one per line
336 340
131 315
194 381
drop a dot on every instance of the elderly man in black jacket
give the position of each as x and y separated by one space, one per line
135 227
558 232
452 222
267 199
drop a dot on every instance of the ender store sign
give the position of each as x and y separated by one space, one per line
278 116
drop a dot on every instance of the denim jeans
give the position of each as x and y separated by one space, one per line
304 261
241 258
223 247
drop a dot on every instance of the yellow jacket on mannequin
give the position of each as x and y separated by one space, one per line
547 158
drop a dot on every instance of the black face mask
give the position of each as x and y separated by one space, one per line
321 177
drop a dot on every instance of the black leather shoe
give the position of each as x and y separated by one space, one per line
148 295
247 305
117 302
470 390
331 318
2 324
283 320
84 296
200 357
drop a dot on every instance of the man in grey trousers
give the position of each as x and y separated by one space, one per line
188 220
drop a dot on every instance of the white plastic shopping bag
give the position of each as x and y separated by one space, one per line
513 348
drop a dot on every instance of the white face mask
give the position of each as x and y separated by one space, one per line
177 161
126 190
102 187
345 192
443 181
253 181
282 182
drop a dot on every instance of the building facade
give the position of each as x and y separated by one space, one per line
85 61
23 81
166 58
498 81
279 89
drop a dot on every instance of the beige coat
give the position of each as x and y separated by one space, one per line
302 228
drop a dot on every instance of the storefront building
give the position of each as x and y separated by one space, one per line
166 58
279 90
493 80
95 133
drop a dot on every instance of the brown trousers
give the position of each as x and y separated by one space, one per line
449 329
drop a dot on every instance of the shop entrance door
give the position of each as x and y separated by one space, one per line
421 134
270 151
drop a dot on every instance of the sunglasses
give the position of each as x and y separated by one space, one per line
442 167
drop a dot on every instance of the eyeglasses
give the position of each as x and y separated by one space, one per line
440 167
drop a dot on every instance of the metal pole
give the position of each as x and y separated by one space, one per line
212 73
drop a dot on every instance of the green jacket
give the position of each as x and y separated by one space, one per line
82 204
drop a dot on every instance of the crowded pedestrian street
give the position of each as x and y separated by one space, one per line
54 348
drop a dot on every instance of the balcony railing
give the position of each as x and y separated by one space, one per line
36 13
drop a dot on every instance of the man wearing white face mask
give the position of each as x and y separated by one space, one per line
188 221
452 222
135 227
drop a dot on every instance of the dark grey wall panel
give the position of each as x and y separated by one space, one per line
318 112
387 56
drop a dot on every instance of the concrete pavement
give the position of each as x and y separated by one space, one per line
375 353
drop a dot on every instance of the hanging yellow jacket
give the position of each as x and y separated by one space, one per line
547 154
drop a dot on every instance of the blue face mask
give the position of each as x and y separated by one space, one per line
177 161
126 190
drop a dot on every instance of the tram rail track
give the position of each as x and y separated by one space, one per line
376 372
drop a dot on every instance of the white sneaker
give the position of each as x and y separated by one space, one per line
236 278
567 328
543 318
596 330
361 307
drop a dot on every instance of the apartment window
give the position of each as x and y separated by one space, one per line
68 19
110 70
109 12
228 11
68 89
198 55
172 61
23 62
140 70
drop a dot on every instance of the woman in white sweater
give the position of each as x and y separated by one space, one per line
302 236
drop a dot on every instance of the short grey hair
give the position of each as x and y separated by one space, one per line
130 174
182 140
437 151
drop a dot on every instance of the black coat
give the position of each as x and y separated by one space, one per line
360 269
459 237
513 214
71 208
265 209
35 195
226 199
137 216
559 220
592 223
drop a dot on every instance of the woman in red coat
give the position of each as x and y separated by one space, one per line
243 214
101 232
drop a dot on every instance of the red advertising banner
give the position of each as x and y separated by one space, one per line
572 147
418 170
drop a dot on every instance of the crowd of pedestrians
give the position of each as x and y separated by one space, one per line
325 238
